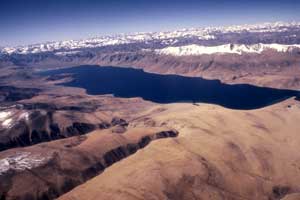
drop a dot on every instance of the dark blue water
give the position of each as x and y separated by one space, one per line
127 82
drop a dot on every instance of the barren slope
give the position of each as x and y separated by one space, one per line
47 170
219 154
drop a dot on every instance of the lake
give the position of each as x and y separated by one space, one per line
129 82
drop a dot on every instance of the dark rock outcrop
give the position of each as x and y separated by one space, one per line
280 191
53 107
121 152
11 94
118 121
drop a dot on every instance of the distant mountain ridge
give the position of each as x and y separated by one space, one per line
278 32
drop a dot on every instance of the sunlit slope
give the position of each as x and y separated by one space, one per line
219 154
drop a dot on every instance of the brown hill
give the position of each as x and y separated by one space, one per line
48 170
219 154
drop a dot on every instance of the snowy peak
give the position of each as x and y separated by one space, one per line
282 33
193 49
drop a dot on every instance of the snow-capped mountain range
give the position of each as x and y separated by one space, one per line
194 40
224 49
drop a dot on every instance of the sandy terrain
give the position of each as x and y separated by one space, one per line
219 154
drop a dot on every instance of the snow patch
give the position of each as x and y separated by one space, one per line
5 118
4 115
9 118
7 123
22 161
24 116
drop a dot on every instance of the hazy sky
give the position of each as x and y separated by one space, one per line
34 21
